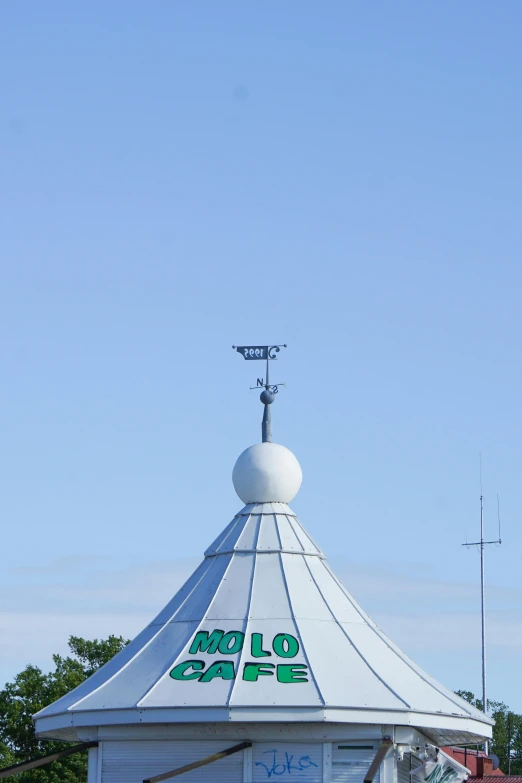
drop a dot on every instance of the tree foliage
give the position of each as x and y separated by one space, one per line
507 732
30 691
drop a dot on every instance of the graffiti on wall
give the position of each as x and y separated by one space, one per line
282 763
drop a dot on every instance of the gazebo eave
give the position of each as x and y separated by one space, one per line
440 729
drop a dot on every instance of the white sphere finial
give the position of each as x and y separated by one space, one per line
267 473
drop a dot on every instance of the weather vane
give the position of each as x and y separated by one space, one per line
262 353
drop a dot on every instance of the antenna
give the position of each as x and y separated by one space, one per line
482 544
267 396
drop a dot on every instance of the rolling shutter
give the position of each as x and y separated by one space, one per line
403 769
350 763
416 762
301 762
405 766
132 762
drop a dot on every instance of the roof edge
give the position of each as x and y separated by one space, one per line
434 721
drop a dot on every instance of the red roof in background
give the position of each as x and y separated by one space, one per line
493 778
468 758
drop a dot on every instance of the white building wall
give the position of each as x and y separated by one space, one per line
278 761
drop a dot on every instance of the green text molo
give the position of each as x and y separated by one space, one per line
284 645
224 670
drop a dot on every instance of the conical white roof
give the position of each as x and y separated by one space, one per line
264 631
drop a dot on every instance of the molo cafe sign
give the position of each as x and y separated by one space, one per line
220 643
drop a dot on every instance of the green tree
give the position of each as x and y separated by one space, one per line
30 691
507 733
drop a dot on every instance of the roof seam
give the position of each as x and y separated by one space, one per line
180 652
354 645
266 514
265 552
431 681
285 525
308 536
296 533
278 534
296 626
231 527
72 707
246 621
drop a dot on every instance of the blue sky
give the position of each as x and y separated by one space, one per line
177 177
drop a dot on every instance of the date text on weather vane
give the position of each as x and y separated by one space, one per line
260 353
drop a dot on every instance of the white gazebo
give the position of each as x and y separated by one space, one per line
264 652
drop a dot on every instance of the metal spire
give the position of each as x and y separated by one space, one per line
267 396
482 544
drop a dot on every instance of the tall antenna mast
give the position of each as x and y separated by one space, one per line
482 544
267 396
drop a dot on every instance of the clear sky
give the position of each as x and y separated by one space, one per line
177 177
